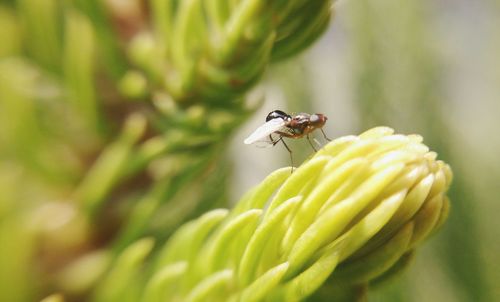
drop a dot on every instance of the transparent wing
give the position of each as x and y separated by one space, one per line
267 142
263 132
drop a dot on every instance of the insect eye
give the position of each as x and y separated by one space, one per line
314 118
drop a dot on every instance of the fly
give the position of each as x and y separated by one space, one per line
284 125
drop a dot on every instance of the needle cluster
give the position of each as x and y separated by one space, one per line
352 214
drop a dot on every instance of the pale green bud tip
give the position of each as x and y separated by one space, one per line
53 298
352 212
133 85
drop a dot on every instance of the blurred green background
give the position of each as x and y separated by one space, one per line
426 67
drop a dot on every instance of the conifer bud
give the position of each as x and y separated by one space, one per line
351 212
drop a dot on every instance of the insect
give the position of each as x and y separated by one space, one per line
283 125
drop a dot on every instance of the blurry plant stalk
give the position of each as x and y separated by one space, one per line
353 214
214 51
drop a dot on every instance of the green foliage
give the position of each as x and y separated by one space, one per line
115 118
356 209
114 126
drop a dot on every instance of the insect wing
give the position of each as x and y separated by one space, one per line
267 142
265 130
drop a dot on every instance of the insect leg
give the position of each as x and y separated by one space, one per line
274 142
324 135
310 143
289 151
